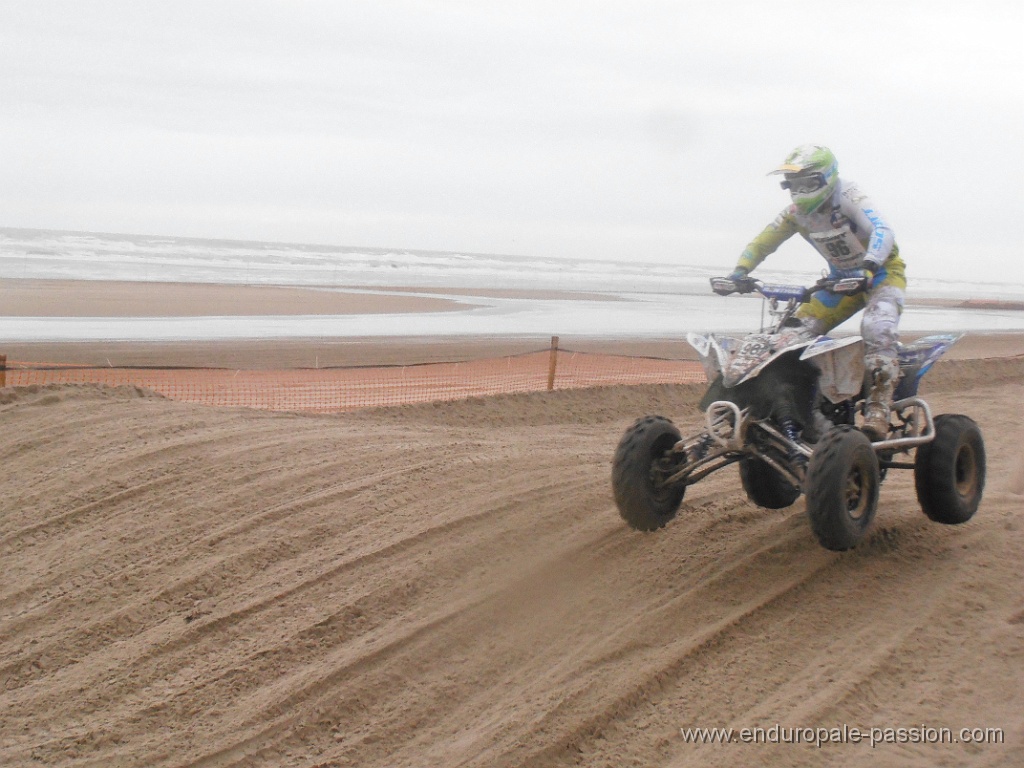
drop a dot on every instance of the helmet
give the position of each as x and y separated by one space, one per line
812 175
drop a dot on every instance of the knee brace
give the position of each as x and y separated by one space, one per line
880 325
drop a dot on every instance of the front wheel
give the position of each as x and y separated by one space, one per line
638 471
949 472
842 488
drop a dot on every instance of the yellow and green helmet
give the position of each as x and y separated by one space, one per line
812 175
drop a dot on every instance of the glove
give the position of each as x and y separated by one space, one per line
738 275
864 279
735 281
871 270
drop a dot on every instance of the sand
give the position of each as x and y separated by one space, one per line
441 585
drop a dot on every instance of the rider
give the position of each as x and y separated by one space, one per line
839 220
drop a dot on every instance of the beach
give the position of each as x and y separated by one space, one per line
127 299
451 583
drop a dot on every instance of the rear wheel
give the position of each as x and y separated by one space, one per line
765 486
949 472
638 471
842 488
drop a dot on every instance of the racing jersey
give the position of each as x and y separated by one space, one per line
848 231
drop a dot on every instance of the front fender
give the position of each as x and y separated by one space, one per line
758 350
714 352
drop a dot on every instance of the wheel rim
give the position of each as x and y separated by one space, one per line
858 493
661 469
966 471
659 490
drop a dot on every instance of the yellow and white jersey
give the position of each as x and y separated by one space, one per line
848 231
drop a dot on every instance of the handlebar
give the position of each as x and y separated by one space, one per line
848 286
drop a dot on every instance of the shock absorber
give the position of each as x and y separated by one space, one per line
792 430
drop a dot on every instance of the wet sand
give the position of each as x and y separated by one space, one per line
69 298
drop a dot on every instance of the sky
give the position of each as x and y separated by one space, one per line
612 130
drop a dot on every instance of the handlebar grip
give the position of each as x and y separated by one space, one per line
724 286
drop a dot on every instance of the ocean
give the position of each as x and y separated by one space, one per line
637 298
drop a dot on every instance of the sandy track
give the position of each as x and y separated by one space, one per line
451 585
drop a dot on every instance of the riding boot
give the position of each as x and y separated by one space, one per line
882 374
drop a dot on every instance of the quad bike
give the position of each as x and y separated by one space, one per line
784 404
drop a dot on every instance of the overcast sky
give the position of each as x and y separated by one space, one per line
618 130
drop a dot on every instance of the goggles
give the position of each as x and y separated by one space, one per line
801 185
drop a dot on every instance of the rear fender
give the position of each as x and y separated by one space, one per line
917 358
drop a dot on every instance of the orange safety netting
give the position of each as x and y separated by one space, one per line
348 388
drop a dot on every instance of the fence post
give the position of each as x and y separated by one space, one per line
3 370
552 363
